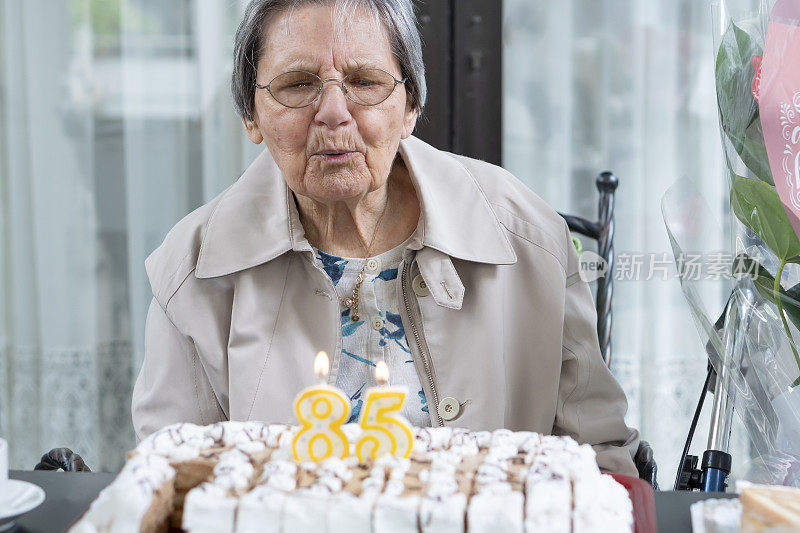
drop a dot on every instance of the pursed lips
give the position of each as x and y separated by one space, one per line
335 155
333 151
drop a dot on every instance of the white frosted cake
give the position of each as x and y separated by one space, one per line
240 477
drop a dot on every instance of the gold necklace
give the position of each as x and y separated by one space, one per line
352 300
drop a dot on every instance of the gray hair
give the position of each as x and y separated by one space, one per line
397 16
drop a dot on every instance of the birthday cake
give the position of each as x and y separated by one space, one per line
242 477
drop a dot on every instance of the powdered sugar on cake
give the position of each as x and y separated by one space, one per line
240 477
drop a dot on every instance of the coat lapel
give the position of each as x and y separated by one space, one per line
256 219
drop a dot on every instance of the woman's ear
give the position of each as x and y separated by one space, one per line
253 133
409 122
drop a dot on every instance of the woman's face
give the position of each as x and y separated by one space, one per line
298 139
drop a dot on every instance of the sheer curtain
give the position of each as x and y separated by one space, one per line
116 122
626 85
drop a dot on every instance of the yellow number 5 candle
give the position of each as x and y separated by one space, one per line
321 410
385 429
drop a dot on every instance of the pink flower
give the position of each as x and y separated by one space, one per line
755 87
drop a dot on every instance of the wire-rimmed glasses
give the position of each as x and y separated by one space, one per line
298 88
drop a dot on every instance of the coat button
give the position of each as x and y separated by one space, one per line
419 286
449 408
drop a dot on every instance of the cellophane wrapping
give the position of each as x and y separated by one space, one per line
755 339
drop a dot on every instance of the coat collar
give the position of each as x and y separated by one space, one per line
256 219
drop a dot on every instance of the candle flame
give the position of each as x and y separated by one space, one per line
381 373
321 365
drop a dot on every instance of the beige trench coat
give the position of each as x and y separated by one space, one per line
502 332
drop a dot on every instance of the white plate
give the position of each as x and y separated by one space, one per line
17 498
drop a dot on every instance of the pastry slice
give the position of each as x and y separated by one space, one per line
307 508
397 508
601 504
496 508
261 509
770 508
351 509
211 506
192 451
548 500
548 486
444 502
138 500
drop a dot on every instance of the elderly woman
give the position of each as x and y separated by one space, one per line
349 235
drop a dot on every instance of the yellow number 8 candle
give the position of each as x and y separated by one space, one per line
385 430
321 411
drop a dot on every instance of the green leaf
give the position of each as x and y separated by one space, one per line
758 206
793 294
738 110
754 152
578 245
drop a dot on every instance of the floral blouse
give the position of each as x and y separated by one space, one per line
379 332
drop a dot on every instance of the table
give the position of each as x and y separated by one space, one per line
67 495
70 493
672 508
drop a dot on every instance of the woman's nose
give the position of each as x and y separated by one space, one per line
332 109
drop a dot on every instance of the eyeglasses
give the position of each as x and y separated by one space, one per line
298 88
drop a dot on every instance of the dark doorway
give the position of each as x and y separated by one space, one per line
462 48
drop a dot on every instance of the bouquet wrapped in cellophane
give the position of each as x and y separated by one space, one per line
756 340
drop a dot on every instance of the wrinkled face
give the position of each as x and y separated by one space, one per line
302 141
